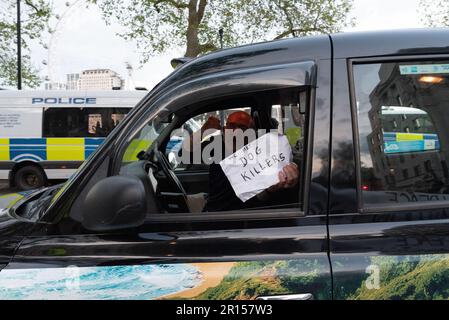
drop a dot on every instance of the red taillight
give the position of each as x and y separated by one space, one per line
365 188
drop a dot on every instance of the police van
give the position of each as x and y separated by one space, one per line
46 135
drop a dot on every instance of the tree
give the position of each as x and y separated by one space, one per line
34 17
158 25
435 13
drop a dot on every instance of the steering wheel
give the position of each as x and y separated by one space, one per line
171 176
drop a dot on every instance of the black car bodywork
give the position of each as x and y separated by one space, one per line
332 246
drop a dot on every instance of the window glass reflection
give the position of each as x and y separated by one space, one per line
403 124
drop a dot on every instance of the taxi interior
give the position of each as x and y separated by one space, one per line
183 188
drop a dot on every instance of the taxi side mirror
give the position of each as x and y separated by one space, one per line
114 203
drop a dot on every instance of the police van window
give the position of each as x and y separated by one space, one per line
403 121
81 122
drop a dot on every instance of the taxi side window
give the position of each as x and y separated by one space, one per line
194 124
185 173
290 122
143 140
402 112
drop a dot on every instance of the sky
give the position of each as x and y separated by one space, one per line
83 40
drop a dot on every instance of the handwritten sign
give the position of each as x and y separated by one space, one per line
255 167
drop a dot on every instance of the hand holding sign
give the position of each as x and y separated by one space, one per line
288 178
261 164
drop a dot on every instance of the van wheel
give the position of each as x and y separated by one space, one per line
29 177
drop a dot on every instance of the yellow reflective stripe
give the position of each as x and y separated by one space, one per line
70 149
10 199
293 134
409 136
4 149
134 148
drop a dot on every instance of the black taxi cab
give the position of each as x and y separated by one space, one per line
364 114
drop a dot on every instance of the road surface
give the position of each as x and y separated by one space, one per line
4 188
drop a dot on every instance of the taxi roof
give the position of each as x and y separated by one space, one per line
344 45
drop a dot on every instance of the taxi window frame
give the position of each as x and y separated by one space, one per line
387 208
244 81
217 86
252 214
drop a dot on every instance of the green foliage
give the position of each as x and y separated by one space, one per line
244 288
247 280
434 13
413 278
305 275
159 25
394 266
347 283
34 17
401 277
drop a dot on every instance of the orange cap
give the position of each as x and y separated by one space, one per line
240 118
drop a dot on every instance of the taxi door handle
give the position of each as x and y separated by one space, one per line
301 296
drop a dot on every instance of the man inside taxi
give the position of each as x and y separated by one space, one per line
221 195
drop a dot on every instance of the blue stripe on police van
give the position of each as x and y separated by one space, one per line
93 141
27 154
33 149
90 145
27 141
88 152
27 157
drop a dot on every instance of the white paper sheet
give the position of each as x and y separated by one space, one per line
255 167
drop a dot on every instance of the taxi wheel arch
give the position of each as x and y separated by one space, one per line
30 167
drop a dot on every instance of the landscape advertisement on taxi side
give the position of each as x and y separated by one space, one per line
206 280
380 278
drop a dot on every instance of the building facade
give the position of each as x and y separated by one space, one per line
55 86
100 79
407 170
73 81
